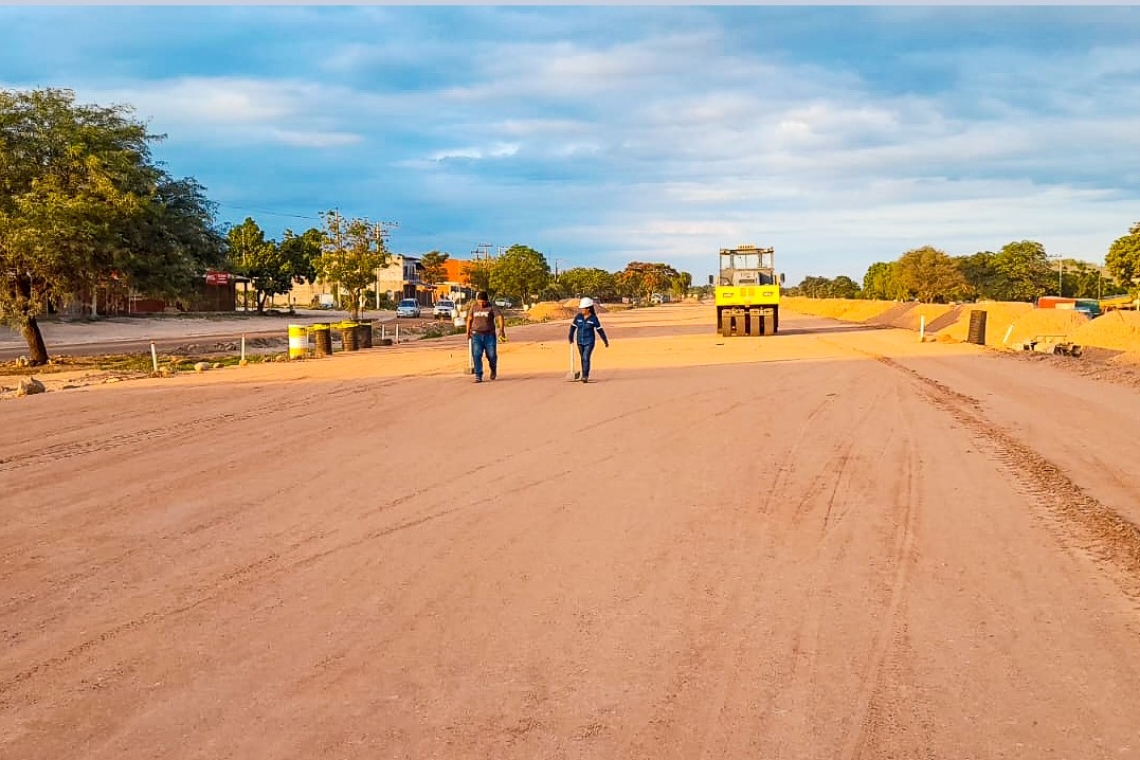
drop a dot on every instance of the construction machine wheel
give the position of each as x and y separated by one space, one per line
726 325
770 324
755 320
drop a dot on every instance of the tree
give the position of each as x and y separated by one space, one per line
589 281
983 281
435 266
1080 279
301 253
1123 258
814 287
261 260
1023 271
83 204
521 272
641 279
930 274
881 283
479 272
679 285
843 287
352 251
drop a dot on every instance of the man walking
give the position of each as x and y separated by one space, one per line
482 319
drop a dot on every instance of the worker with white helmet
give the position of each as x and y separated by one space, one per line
588 329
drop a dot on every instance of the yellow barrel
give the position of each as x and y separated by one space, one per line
298 341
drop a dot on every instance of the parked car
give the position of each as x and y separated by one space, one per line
407 308
659 298
503 303
444 309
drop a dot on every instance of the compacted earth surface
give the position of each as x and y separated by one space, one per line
833 543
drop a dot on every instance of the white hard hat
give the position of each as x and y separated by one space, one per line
585 303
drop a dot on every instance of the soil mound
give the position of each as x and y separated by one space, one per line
547 311
1117 330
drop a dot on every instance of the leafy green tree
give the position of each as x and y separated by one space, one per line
814 287
589 281
479 272
844 287
352 251
261 260
301 253
1023 271
82 204
1123 258
435 266
520 272
881 283
1080 279
983 281
679 286
930 274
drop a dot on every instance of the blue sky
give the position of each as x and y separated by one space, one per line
597 135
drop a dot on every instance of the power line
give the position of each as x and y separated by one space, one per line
266 211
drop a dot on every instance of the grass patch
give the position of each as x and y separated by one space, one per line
440 330
125 363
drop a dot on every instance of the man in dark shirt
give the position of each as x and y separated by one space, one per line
482 318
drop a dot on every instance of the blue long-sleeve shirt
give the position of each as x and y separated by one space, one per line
586 327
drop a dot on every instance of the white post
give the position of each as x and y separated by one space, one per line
154 358
243 347
383 332
1007 334
922 328
397 332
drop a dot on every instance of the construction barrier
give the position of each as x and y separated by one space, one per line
349 336
364 333
322 339
298 341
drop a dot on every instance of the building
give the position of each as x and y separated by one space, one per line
456 284
401 278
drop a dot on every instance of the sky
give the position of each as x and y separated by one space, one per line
840 136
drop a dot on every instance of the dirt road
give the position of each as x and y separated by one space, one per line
836 543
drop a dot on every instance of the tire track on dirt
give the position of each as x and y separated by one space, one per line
261 570
1112 540
909 503
1079 520
298 408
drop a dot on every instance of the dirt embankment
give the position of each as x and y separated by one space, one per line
1007 324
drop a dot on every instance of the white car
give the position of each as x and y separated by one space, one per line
503 303
444 309
408 308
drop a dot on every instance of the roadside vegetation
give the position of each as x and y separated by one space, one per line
1020 271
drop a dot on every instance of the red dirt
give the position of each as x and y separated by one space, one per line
835 543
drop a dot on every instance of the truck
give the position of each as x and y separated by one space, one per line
747 292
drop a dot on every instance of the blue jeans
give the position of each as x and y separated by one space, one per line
584 350
488 342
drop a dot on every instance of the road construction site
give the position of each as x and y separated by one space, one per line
835 542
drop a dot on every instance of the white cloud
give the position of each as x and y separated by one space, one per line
236 110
